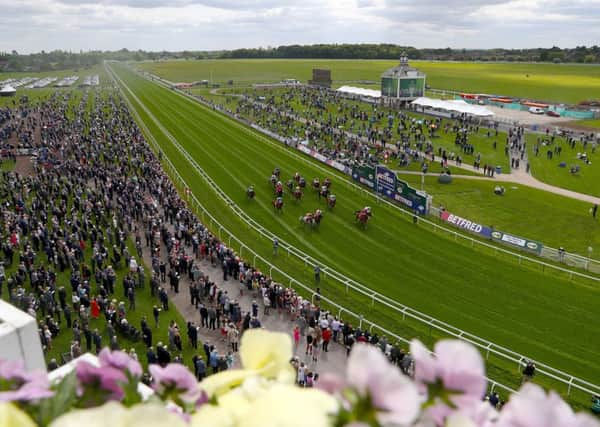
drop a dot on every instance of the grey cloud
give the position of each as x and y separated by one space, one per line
217 4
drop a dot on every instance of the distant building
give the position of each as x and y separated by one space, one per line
403 82
320 77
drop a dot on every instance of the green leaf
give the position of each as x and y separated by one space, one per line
63 400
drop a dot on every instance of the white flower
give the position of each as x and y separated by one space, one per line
113 414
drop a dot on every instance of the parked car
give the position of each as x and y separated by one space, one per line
536 110
552 113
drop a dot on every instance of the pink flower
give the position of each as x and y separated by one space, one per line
176 378
458 365
22 385
120 361
394 396
330 383
106 378
532 407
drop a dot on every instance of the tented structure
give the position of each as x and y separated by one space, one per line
458 106
8 91
351 90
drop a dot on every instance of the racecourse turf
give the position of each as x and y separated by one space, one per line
570 83
541 315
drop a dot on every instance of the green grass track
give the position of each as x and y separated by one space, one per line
541 315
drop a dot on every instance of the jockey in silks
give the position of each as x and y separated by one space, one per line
331 199
250 192
327 182
279 188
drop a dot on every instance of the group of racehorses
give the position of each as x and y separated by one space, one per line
296 186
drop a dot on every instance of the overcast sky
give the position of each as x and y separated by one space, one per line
34 25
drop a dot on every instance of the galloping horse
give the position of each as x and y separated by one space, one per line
312 219
324 192
331 201
250 192
301 182
278 203
327 182
273 180
276 172
316 184
279 189
363 215
298 193
290 184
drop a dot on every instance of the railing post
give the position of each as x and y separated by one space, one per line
254 261
569 387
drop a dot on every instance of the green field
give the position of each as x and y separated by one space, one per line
552 82
541 315
547 170
522 210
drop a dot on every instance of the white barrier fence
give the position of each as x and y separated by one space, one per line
484 345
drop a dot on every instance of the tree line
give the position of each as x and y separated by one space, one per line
580 54
63 60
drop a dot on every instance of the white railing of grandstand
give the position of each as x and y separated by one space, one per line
484 345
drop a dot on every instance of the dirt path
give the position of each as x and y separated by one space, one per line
24 166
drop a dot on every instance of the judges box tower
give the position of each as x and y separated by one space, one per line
402 83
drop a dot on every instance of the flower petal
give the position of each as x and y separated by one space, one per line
266 352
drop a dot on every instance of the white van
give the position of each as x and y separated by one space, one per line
536 110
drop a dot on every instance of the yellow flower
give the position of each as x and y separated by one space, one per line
266 352
265 403
113 414
11 416
290 406
262 353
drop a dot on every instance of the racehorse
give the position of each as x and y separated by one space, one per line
324 192
278 189
363 215
276 172
301 182
331 201
250 192
278 203
316 184
290 184
318 216
298 193
273 180
312 219
327 182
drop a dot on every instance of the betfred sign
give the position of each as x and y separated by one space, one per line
465 224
